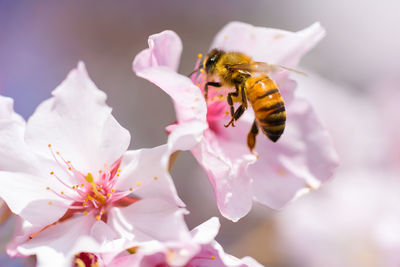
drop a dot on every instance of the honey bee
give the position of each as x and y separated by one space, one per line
248 77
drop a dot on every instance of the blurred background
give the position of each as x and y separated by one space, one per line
354 87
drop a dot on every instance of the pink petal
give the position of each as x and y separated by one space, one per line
165 49
150 219
78 124
267 44
304 157
145 171
158 68
226 164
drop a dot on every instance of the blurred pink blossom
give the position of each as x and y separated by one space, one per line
208 253
304 156
67 173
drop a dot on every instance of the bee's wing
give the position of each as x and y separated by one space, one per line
263 67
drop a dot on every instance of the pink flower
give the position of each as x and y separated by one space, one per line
67 173
207 252
303 158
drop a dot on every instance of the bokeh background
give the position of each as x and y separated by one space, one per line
353 85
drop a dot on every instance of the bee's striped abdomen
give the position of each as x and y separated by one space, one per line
268 106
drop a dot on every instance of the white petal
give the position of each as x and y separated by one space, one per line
78 124
207 231
145 171
150 219
26 195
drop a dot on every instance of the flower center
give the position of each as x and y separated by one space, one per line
89 196
85 259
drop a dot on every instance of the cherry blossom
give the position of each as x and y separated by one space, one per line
301 160
207 253
67 173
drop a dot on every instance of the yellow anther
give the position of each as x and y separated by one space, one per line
51 173
99 188
49 145
50 203
201 70
130 189
138 183
68 162
108 194
85 212
90 198
117 174
77 185
197 84
58 153
84 204
62 193
99 196
100 171
48 188
73 187
119 170
69 168
213 257
113 190
98 217
102 212
82 185
226 112
155 178
199 55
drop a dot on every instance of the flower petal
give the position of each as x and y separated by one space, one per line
14 154
267 44
304 157
165 49
26 195
150 219
155 67
79 234
225 164
146 172
78 124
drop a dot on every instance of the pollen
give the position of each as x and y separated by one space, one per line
98 217
49 145
138 183
199 55
108 194
113 190
117 174
119 170
130 189
84 204
69 168
213 257
62 193
85 212
73 187
82 185
51 173
47 188
100 171
155 178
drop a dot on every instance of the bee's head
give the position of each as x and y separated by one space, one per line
211 60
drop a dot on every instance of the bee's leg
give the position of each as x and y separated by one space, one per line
215 84
251 137
239 112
